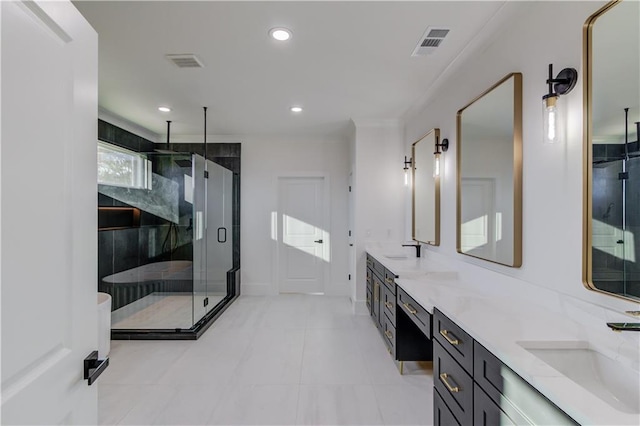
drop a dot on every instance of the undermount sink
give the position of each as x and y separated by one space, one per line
616 384
395 256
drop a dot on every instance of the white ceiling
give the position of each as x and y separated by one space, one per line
345 60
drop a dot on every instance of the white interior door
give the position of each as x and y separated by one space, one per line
303 243
48 238
478 217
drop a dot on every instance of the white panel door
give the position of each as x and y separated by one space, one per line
48 238
478 217
303 239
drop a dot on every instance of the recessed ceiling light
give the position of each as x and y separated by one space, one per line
296 109
280 34
164 109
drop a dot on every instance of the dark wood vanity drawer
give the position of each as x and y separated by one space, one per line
390 281
442 416
389 331
488 413
419 315
454 384
389 303
488 371
454 339
376 295
375 266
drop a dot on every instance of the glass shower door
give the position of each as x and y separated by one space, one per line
219 234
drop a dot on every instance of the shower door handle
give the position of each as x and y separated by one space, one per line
224 235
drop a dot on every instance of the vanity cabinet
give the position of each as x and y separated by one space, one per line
473 387
406 330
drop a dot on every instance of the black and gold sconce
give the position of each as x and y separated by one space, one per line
407 166
564 82
437 166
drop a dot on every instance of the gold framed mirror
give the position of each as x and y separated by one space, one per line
426 190
489 175
611 223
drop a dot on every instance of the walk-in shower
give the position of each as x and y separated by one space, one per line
616 221
168 249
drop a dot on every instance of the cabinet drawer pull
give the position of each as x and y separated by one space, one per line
376 292
388 334
410 308
388 280
445 334
388 305
443 378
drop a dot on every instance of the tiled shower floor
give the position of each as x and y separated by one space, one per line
273 360
160 311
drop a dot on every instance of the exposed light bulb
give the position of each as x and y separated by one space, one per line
551 119
436 165
406 178
164 109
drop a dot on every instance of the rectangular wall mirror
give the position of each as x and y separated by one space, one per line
612 152
426 190
489 148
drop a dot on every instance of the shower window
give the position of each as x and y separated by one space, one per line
122 167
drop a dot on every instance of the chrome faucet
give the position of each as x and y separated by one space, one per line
624 326
416 245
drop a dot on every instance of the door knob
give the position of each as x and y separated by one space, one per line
318 241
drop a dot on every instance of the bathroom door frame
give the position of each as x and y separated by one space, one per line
277 274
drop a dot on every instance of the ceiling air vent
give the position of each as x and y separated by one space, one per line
430 40
185 60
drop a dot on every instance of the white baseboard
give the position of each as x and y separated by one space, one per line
359 307
257 289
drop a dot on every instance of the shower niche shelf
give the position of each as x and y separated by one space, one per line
113 218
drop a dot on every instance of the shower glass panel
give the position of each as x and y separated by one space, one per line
146 263
616 225
199 237
219 232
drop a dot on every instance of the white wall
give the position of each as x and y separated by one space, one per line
264 159
379 193
552 176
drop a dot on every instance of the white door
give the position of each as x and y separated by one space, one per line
303 243
48 251
478 217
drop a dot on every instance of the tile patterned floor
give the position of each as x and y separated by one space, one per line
283 360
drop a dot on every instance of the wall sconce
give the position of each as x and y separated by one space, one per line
407 165
436 156
564 82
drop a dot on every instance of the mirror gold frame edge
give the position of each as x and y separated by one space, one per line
517 170
413 193
587 186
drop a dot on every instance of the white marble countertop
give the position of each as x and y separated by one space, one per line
499 322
